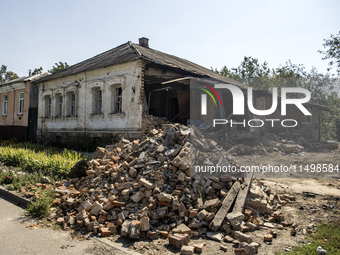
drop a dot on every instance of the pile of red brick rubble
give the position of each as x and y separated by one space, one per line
143 189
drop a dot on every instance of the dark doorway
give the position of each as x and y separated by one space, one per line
32 123
172 109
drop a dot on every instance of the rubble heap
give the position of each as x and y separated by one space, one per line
287 142
143 189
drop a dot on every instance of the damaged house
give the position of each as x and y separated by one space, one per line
110 95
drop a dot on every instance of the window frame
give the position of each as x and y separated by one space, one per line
21 103
71 104
4 105
97 101
59 101
48 106
116 99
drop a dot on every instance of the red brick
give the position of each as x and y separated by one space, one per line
105 231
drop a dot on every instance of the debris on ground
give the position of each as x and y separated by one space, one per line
142 189
145 189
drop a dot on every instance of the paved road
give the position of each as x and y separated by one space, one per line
16 238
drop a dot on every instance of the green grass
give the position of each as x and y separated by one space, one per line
24 164
327 236
36 158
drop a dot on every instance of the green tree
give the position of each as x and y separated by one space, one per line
332 51
289 70
329 119
248 72
6 76
37 70
58 67
322 87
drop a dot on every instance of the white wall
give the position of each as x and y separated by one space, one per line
127 74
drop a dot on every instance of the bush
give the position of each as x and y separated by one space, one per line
41 207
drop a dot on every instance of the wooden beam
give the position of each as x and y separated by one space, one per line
224 209
242 195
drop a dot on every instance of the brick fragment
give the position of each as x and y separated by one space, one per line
105 231
199 247
267 238
223 248
177 240
242 237
187 250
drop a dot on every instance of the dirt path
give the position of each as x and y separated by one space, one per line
322 187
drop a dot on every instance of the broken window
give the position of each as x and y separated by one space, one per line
59 105
4 105
21 103
48 106
97 106
116 92
71 104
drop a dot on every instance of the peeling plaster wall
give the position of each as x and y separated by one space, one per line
86 125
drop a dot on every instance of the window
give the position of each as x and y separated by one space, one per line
116 99
48 106
21 103
71 104
97 101
4 105
59 105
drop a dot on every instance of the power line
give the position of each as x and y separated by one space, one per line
17 68
14 65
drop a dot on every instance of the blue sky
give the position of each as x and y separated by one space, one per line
213 34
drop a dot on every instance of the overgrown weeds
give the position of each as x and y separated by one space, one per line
327 236
42 205
16 178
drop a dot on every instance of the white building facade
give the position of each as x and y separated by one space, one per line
95 104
